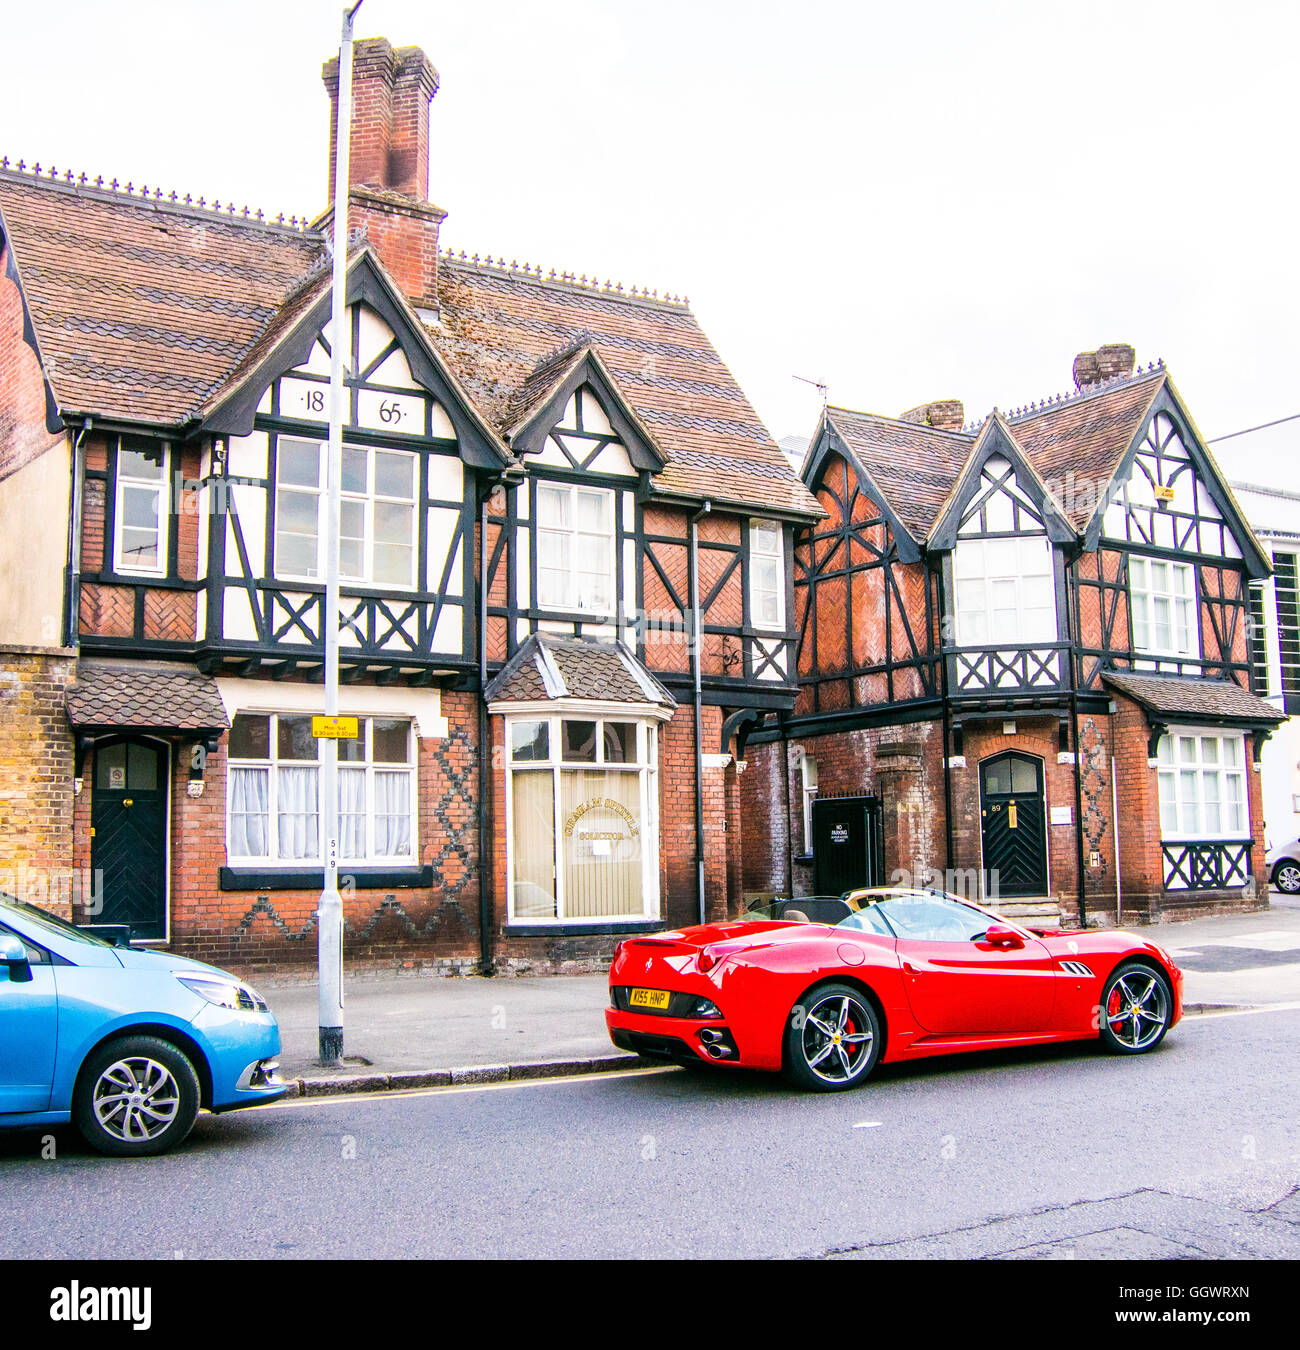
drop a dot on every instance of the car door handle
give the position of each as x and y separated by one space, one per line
907 966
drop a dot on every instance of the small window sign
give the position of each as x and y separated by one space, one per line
117 776
334 728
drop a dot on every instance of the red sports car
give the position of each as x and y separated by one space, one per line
904 973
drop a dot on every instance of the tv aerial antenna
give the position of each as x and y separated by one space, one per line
821 388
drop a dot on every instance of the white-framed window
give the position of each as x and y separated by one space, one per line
808 779
140 509
575 548
766 575
1005 591
583 812
273 792
1203 785
377 520
1162 601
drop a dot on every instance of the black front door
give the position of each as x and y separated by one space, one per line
1014 823
128 850
846 844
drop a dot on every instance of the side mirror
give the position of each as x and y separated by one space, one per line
13 955
1003 935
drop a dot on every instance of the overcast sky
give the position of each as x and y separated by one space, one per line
904 202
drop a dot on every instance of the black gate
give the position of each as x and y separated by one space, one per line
847 847
1014 822
128 849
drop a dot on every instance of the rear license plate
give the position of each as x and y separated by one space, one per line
649 998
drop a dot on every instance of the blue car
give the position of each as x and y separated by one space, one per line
126 1044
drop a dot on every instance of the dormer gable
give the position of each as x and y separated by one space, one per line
571 415
999 492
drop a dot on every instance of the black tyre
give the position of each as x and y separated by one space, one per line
1136 1006
832 1040
135 1097
1286 876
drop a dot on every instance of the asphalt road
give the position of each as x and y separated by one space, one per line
1192 1151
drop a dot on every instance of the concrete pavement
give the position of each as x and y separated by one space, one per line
426 1031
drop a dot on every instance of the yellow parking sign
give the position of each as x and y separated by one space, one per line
334 728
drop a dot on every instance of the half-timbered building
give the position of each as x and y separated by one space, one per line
550 487
1022 650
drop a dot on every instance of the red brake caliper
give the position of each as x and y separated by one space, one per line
1113 1014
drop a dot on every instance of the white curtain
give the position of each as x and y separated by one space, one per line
352 813
298 812
249 819
392 814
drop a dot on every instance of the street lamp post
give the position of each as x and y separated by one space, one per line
329 915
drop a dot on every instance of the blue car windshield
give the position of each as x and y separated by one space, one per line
50 922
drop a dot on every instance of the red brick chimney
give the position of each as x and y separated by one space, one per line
947 414
1114 359
388 165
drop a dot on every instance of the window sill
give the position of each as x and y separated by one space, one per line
559 928
804 858
307 879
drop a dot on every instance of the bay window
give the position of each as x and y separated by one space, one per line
1005 591
575 548
583 816
273 791
377 521
1162 601
1203 785
766 575
140 508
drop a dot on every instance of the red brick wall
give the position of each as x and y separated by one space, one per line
1036 737
251 930
765 862
23 436
883 608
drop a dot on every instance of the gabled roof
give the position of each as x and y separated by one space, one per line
289 337
914 466
1084 438
1088 434
499 323
1182 696
146 310
547 667
143 308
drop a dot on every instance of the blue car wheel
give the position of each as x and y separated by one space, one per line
135 1097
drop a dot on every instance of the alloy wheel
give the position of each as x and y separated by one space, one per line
1286 877
837 1038
1137 1009
136 1099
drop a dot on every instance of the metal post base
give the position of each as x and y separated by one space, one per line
331 1046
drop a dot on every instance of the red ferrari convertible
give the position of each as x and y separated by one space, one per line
904 973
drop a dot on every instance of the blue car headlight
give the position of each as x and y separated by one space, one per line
225 993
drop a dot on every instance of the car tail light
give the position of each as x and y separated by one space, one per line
708 958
